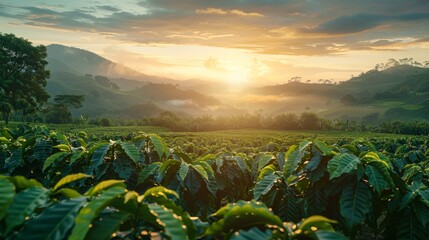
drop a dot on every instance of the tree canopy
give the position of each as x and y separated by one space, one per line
22 75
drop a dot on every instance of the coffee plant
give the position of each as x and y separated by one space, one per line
80 186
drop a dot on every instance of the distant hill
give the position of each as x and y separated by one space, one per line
400 92
109 91
80 61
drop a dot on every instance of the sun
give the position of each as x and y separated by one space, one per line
238 78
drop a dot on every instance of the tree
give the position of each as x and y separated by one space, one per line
59 111
309 121
22 75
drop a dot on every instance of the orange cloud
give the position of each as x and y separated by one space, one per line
220 11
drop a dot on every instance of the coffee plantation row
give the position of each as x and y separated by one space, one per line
76 186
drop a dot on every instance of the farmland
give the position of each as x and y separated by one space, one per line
143 182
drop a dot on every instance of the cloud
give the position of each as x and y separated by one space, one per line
214 65
109 8
363 21
292 27
219 11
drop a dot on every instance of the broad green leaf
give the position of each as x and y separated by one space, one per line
242 164
193 182
106 226
200 169
327 235
252 234
54 157
173 226
87 214
4 140
267 170
319 222
248 214
76 156
7 192
148 171
293 157
265 185
131 151
123 168
355 203
376 178
342 163
21 182
165 166
23 205
183 170
68 193
63 147
105 185
159 191
98 152
54 222
410 228
421 212
263 161
70 178
159 145
323 147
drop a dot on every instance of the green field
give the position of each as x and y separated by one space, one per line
148 182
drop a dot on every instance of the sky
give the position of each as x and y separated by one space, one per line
240 42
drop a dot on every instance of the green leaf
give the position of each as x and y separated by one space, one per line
7 192
342 163
248 214
252 234
98 152
54 157
21 182
70 178
355 203
323 147
421 212
183 170
319 222
327 235
267 170
383 169
123 168
410 228
24 203
265 185
159 145
92 210
376 178
293 157
54 222
200 169
159 191
131 151
68 193
173 226
76 156
63 147
148 171
104 185
105 227
263 161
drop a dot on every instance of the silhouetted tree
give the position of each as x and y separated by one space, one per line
22 75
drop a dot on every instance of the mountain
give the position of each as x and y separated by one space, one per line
111 89
80 61
399 92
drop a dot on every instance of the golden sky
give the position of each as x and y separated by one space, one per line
237 41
